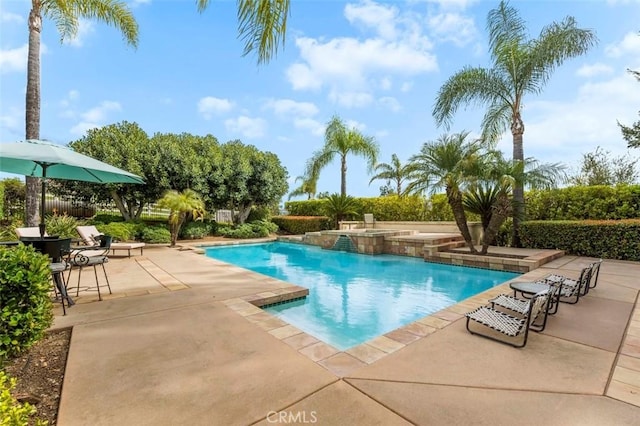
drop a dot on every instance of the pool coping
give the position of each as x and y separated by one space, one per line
343 363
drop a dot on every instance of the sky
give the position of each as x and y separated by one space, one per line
377 65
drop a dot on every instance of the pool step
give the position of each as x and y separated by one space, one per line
344 243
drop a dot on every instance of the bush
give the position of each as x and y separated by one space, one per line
300 224
120 231
12 412
606 239
584 202
1 199
259 213
155 235
503 237
195 230
26 310
62 225
105 218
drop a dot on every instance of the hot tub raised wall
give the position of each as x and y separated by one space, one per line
365 241
475 228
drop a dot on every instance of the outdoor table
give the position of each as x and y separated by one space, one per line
527 288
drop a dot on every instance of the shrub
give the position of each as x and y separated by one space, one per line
241 231
195 230
12 412
1 199
120 231
259 213
26 310
8 229
306 208
607 238
155 235
105 218
62 225
300 224
584 202
221 229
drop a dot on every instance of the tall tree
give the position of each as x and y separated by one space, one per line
520 66
632 134
452 163
341 141
66 15
394 171
308 186
600 168
262 25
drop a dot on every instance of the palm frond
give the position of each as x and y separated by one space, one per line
114 13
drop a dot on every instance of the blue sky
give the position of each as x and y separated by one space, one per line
378 65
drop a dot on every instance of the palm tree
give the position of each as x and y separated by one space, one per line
395 172
450 163
339 140
339 207
180 205
66 15
308 186
492 196
262 25
520 66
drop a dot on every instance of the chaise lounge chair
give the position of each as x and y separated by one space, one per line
89 235
509 325
521 306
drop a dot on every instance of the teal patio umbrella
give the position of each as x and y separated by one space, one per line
44 159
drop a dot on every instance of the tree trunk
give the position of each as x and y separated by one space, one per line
517 130
32 109
343 169
455 201
243 213
120 205
500 212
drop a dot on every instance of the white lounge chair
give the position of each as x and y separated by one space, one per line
90 233
369 221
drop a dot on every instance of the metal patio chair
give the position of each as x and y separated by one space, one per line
521 306
509 325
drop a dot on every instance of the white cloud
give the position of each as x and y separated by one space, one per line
10 17
11 121
453 4
95 117
67 104
14 59
630 44
406 86
390 103
351 99
288 107
314 126
453 27
372 15
209 106
84 29
594 70
350 68
353 124
246 126
140 2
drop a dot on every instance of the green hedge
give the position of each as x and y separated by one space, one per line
1 199
606 239
390 208
584 202
25 309
300 224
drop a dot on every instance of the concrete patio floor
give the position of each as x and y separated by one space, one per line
177 343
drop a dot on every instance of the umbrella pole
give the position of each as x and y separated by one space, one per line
44 190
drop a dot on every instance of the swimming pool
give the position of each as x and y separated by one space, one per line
352 297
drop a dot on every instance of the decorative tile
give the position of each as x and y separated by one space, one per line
318 351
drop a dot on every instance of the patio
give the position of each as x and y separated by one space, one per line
179 343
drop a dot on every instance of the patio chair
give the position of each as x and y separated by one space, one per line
91 256
573 288
509 325
30 232
521 306
90 233
369 221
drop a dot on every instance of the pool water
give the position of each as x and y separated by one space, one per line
352 297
